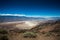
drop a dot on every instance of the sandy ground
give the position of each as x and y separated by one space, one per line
22 24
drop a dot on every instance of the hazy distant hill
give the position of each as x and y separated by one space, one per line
23 18
55 18
18 18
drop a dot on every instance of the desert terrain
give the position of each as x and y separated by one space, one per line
38 30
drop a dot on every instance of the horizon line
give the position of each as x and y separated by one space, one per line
26 15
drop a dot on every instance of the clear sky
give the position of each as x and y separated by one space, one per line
30 7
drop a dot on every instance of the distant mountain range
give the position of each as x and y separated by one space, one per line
23 18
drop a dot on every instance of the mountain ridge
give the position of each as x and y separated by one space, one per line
24 18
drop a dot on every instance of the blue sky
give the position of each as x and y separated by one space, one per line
30 7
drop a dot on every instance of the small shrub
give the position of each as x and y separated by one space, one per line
2 31
48 34
4 37
22 31
43 32
29 35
